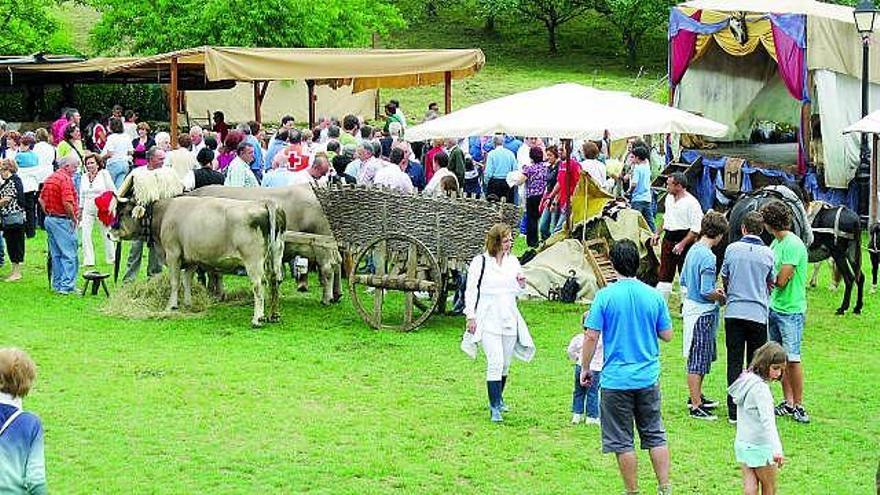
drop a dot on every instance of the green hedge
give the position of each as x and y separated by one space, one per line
146 99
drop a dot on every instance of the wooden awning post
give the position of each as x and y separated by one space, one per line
447 92
310 83
172 102
259 96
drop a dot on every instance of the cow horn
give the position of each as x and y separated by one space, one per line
126 186
121 200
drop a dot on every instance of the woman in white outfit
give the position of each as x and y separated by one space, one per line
494 280
95 182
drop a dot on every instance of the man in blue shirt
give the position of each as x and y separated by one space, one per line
499 162
253 130
700 312
640 184
629 316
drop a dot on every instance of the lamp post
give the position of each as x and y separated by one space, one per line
865 14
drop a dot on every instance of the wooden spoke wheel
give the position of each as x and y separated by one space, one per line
395 283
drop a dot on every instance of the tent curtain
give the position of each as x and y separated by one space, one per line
682 44
758 29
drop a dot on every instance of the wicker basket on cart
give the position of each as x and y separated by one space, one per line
408 244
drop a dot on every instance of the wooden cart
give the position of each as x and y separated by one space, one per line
406 247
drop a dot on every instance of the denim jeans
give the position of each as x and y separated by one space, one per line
154 261
547 222
118 170
62 251
2 251
585 398
646 208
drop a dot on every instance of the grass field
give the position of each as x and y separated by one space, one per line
321 404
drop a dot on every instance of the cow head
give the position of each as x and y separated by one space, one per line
127 224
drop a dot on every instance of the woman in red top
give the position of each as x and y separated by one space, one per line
429 159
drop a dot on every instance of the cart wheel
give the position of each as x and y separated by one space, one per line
401 278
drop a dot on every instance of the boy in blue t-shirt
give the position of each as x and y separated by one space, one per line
700 312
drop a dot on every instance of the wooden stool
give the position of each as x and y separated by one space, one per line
96 279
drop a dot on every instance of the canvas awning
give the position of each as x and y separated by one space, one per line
868 125
363 68
568 111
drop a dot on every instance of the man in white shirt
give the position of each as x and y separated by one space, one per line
522 154
197 136
182 160
394 175
680 227
369 165
315 175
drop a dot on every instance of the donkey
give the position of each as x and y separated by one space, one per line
829 232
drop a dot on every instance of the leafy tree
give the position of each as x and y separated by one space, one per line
166 25
29 27
635 18
552 13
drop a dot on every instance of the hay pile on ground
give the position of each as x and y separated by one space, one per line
147 298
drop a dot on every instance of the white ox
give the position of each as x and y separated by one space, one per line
215 234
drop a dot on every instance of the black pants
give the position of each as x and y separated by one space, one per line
14 237
500 189
41 215
30 212
533 203
743 338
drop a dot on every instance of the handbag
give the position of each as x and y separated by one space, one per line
14 219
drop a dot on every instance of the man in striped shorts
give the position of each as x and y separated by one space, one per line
700 312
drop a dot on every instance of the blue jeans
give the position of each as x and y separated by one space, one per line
646 208
2 251
585 398
62 251
547 222
135 255
118 170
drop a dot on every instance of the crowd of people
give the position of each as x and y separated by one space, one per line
51 178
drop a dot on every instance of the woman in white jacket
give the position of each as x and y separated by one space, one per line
757 446
95 182
494 280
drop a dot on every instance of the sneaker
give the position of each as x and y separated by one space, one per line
664 490
576 418
592 421
702 413
731 421
800 414
496 415
707 402
504 407
783 409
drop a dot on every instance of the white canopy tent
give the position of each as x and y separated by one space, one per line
569 111
869 124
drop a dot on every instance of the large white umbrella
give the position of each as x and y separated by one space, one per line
868 125
568 111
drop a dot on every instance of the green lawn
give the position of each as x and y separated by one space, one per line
320 403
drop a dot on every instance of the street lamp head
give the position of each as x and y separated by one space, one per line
865 14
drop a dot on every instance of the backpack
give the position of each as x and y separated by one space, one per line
570 289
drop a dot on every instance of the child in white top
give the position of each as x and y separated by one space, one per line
585 400
757 446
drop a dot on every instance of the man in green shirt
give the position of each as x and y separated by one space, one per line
788 303
391 116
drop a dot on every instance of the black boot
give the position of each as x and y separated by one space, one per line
503 385
494 390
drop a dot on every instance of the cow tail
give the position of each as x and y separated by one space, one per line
272 245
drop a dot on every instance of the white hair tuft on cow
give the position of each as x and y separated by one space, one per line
156 184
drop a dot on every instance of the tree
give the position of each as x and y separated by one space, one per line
552 13
634 18
29 27
168 25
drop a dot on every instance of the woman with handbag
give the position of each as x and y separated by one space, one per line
494 280
12 216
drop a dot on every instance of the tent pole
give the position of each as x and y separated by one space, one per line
310 83
447 92
172 102
258 116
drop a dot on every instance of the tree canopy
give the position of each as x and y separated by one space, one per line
29 27
167 25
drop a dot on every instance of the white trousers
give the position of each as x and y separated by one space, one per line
89 219
499 353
